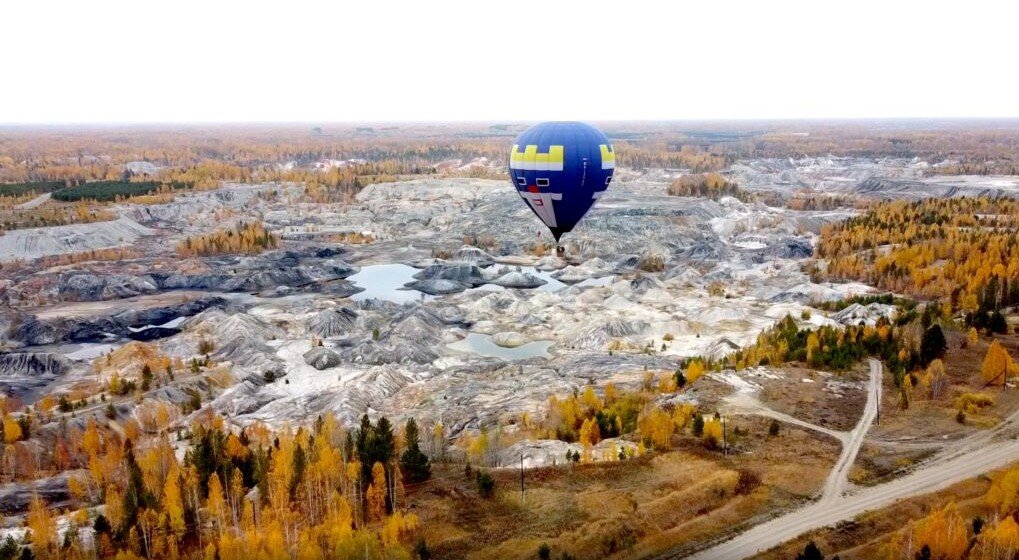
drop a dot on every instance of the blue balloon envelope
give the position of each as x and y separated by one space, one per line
560 169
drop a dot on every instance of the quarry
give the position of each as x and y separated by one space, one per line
423 321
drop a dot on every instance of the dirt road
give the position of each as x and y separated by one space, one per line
967 458
837 480
37 201
822 514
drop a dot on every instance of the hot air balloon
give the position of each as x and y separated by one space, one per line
560 169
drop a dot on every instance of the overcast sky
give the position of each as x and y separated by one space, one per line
375 60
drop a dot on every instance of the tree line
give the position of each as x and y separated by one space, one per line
322 492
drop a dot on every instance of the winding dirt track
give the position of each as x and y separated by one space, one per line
964 459
37 201
837 480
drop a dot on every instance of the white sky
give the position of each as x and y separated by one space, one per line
377 60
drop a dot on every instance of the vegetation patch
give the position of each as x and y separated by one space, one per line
112 190
706 185
37 187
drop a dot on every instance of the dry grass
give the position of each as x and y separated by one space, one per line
625 509
879 463
929 419
349 237
924 421
834 407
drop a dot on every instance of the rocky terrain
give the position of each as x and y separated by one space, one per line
885 178
449 314
58 240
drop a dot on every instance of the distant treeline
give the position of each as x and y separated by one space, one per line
811 201
979 166
111 190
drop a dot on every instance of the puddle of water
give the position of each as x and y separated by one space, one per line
482 344
383 281
171 324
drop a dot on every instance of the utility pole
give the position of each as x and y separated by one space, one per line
725 444
877 397
521 479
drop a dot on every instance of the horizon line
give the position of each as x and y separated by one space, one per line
27 124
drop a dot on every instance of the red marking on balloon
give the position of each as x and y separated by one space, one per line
532 188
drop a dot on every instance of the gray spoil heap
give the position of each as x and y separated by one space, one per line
230 274
32 331
322 358
333 322
24 373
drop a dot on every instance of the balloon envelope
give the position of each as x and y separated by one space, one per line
560 169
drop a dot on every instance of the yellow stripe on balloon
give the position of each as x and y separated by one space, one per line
608 157
533 160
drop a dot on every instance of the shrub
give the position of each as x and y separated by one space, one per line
971 403
193 403
101 525
933 345
622 538
698 425
205 347
998 324
421 550
486 484
651 263
10 549
146 377
747 482
810 552
680 378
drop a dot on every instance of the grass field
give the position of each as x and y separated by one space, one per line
627 509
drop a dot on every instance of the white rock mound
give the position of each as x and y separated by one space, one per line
509 339
33 243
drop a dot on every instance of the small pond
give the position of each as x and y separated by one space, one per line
482 344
